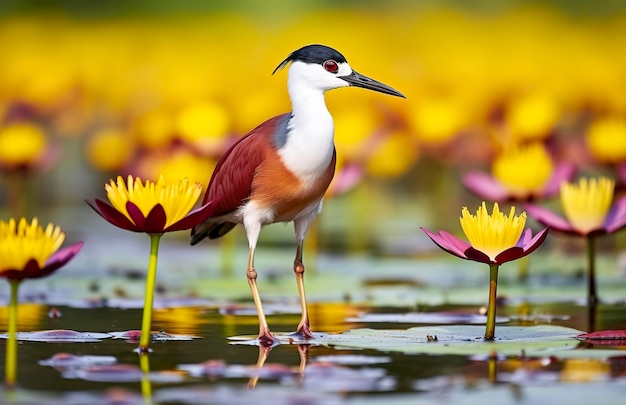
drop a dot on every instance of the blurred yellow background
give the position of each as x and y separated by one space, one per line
89 91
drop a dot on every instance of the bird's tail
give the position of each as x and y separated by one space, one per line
212 228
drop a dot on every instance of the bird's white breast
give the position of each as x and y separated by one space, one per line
308 149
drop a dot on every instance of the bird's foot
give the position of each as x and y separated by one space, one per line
266 339
304 331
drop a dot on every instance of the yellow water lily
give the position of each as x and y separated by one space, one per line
492 233
151 207
21 144
606 140
494 239
523 170
27 250
587 202
590 212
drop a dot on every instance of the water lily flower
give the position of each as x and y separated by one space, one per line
494 239
25 150
589 212
28 251
152 208
520 174
606 140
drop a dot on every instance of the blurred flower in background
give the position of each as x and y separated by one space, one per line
126 92
590 211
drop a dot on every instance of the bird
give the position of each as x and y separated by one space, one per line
280 170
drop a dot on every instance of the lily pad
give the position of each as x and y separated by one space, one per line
454 339
132 336
59 336
425 317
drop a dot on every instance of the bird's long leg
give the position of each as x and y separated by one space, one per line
265 336
301 227
253 228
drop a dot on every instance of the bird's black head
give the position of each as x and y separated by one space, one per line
324 68
317 54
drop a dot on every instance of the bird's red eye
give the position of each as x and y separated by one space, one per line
331 66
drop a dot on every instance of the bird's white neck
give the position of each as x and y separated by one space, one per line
309 147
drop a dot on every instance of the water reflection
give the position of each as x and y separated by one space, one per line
210 370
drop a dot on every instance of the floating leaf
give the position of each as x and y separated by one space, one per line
132 336
453 339
60 336
425 317
605 337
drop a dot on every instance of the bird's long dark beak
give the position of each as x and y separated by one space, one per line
358 80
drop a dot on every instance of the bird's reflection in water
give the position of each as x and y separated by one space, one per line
264 351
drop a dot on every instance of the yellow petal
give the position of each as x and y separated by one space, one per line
21 242
587 202
492 234
177 199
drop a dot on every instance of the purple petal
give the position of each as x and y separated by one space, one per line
526 236
62 257
448 242
137 216
548 218
112 215
509 254
485 186
31 270
525 246
564 171
616 218
54 262
156 219
476 255
192 219
536 241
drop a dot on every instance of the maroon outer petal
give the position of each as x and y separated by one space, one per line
112 215
549 218
476 255
32 269
564 171
62 257
525 246
485 186
616 218
137 216
448 242
156 219
192 219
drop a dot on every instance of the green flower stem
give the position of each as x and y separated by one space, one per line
146 321
146 385
592 297
10 368
490 332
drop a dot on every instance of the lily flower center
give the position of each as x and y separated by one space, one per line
176 199
492 234
587 203
21 242
523 170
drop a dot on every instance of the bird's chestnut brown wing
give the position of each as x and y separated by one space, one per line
231 183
